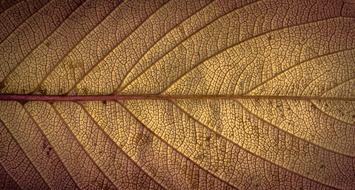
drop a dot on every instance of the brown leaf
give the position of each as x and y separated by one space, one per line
177 94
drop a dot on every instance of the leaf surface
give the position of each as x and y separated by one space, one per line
171 94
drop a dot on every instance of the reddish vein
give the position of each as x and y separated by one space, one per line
49 98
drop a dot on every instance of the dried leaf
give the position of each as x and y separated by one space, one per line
177 94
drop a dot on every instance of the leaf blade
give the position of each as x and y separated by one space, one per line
168 94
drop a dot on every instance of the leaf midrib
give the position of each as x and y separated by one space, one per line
54 98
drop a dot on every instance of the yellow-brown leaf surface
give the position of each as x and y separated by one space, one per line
177 94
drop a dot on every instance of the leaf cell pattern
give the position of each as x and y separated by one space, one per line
177 94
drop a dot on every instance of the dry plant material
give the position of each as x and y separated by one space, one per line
177 94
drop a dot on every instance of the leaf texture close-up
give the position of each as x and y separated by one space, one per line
177 94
